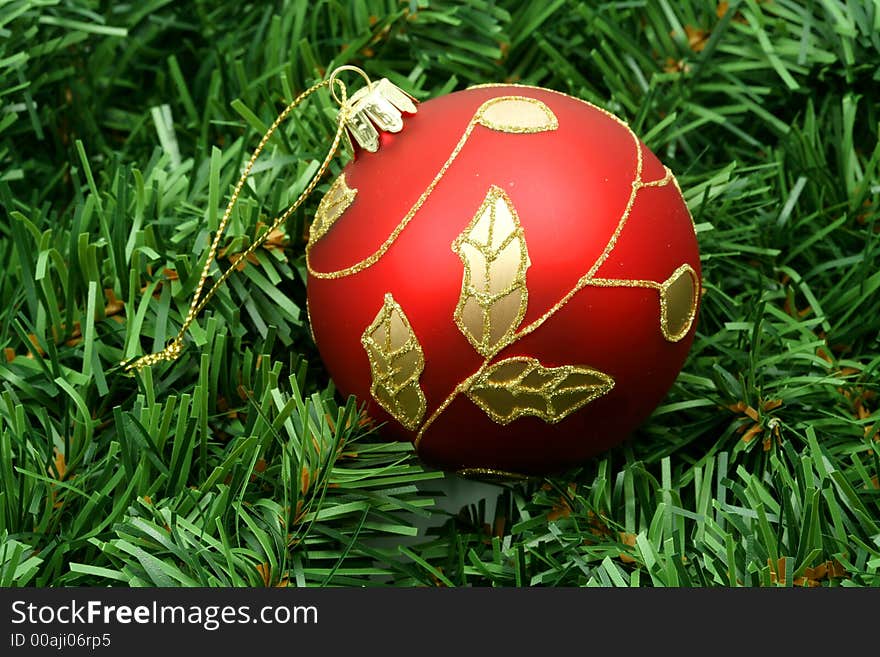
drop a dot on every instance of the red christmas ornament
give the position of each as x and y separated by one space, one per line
510 280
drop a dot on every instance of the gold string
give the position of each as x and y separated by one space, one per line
175 347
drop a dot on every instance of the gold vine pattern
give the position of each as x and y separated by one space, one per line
587 279
493 115
678 299
518 386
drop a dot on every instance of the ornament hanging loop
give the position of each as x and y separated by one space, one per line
379 106
333 81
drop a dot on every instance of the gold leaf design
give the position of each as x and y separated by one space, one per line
335 202
521 386
678 303
396 360
517 114
494 295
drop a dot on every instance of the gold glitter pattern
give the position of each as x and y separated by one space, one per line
516 114
373 258
475 121
518 386
396 361
678 303
492 475
581 283
587 279
493 252
311 324
336 201
678 299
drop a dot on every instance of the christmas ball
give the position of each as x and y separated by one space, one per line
505 276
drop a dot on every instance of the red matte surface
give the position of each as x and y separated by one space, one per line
570 187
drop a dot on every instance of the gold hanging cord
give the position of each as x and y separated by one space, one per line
175 346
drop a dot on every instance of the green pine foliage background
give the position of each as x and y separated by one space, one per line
123 126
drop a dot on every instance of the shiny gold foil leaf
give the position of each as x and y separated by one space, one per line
494 295
678 303
517 114
520 386
396 361
335 202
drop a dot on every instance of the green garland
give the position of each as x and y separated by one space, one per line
123 128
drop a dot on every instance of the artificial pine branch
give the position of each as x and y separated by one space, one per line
121 134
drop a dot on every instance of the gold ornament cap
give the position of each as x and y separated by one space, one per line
378 106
